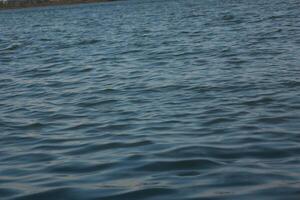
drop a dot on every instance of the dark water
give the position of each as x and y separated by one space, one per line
134 100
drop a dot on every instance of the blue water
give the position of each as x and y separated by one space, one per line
156 100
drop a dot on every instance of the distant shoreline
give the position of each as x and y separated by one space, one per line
16 5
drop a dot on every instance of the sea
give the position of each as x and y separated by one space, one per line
151 100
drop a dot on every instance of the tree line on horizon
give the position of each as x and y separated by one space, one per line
32 3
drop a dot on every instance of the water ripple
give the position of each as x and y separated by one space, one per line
177 99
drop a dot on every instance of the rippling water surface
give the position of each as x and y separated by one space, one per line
134 100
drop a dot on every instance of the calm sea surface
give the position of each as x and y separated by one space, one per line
156 100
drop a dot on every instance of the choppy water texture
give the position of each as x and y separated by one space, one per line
135 100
